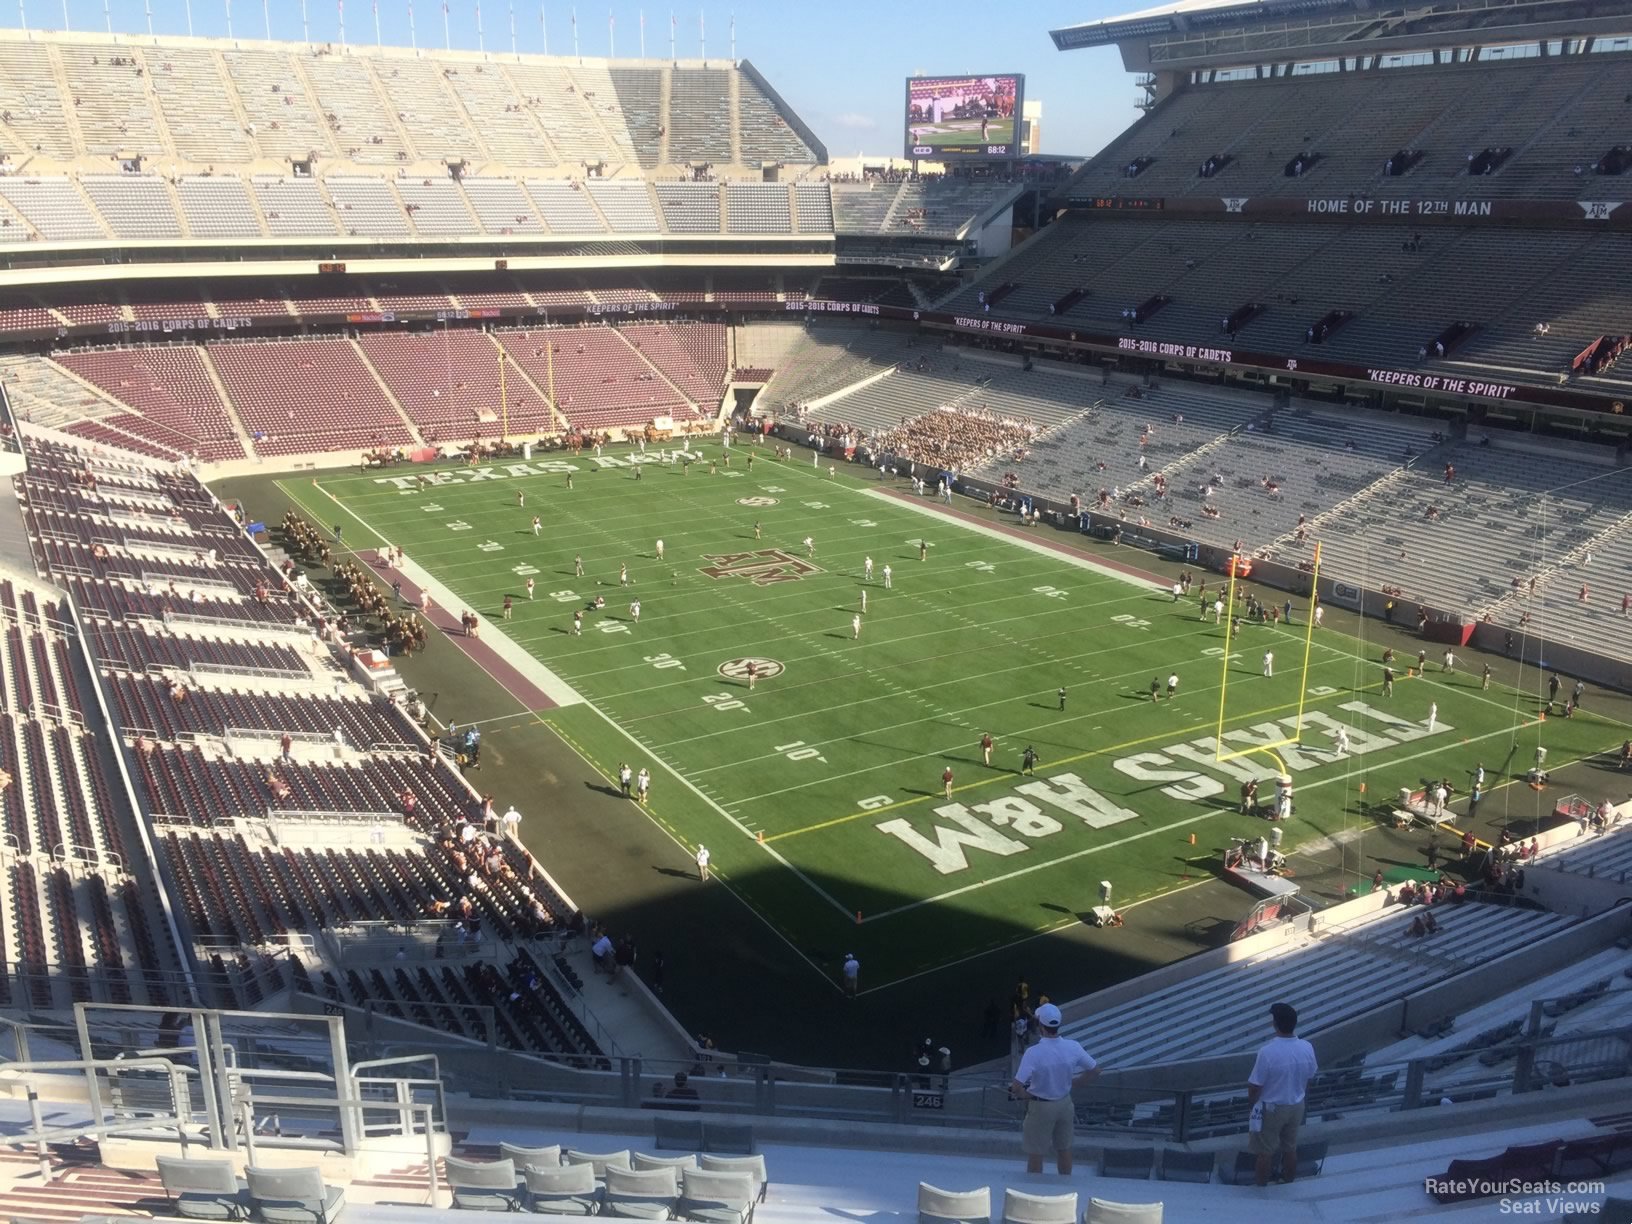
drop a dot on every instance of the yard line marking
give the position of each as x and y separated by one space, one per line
1133 837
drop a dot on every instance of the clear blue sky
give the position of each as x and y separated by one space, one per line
839 63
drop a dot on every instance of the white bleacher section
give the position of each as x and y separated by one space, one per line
366 207
1498 1019
435 206
1509 513
436 127
952 380
822 360
189 83
293 207
361 128
43 393
502 206
1338 972
566 207
34 106
690 208
111 107
757 208
699 127
814 206
217 207
627 206
133 205
53 206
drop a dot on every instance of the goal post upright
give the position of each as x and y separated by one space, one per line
1308 642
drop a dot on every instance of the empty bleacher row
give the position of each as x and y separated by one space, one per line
930 207
529 1013
1399 290
382 389
1336 972
290 302
385 107
216 811
225 208
70 907
1559 116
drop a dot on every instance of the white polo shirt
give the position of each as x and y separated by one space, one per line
1048 1068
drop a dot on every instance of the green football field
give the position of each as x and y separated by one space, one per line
962 132
820 791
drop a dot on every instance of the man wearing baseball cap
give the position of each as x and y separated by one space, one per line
1047 1073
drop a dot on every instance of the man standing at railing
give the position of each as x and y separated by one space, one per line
1275 1090
1047 1073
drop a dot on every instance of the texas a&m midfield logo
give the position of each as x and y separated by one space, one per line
761 567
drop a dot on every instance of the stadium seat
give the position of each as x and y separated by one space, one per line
640 1161
531 1158
1103 1211
203 1189
568 1190
1132 1163
1022 1208
728 1138
937 1206
674 1134
294 1196
716 1198
600 1162
753 1166
1180 1166
647 1194
483 1185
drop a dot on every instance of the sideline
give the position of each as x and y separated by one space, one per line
553 687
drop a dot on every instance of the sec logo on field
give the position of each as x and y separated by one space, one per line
757 501
737 669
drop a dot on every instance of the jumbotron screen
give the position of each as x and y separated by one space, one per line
964 116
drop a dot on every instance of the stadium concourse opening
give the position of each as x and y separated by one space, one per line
523 555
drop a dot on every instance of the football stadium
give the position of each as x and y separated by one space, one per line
567 652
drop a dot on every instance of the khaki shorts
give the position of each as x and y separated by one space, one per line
1280 1132
1049 1126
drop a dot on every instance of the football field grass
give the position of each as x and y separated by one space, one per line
820 791
962 132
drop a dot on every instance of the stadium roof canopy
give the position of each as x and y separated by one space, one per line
1215 33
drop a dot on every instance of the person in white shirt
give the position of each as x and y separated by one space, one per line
634 611
1047 1073
1320 615
1342 734
1218 611
867 569
855 627
1433 715
511 820
1275 1089
1269 663
887 573
852 974
643 785
810 546
702 862
660 550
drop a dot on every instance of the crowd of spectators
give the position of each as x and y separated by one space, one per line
956 439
